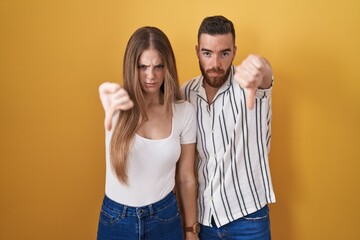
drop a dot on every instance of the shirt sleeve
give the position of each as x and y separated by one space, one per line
264 93
188 133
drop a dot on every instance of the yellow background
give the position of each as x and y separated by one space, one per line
54 55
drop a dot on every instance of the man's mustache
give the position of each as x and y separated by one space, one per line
215 70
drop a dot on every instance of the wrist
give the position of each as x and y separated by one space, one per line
194 229
268 83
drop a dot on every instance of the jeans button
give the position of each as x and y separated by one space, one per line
140 212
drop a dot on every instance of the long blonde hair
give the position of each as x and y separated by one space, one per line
142 39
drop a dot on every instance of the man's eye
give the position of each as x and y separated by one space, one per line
206 54
225 54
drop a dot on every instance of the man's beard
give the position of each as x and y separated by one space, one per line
215 82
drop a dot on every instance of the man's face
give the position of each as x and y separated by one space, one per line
215 53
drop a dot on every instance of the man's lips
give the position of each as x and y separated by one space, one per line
215 74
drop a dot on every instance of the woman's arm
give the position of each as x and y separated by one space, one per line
187 187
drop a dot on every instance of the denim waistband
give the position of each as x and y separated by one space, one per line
143 211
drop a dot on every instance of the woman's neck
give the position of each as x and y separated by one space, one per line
154 99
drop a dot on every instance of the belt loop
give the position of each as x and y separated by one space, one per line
151 210
123 214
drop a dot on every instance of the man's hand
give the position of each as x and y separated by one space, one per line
113 97
253 73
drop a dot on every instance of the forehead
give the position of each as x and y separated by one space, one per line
150 56
216 42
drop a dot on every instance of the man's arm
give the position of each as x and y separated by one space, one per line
187 187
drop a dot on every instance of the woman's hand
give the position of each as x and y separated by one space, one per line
113 97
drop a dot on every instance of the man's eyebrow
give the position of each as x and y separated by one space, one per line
207 50
226 50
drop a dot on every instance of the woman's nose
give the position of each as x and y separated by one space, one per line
150 73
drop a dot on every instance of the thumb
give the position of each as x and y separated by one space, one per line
250 99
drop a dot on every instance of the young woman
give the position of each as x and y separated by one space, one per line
150 145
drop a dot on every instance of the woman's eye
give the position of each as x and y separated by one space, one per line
142 67
160 66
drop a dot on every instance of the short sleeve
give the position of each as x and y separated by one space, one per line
264 93
188 130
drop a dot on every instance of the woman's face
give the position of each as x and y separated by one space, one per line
151 71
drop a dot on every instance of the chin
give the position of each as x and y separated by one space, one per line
215 82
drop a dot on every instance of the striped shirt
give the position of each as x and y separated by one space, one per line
233 144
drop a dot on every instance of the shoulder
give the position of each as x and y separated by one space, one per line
191 85
185 121
183 107
184 111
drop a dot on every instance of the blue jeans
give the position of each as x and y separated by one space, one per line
255 226
157 221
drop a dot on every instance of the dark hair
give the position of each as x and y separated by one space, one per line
216 25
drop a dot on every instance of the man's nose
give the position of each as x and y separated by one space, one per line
216 61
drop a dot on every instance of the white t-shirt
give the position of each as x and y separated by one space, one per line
151 163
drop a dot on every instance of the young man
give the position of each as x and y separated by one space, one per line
233 139
233 107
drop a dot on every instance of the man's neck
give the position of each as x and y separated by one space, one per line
210 92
